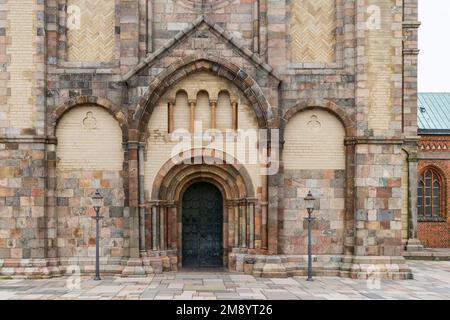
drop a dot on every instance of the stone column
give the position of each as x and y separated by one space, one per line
413 243
141 201
213 104
162 228
155 238
173 230
52 221
170 107
237 223
192 104
243 223
133 198
134 265
251 224
234 115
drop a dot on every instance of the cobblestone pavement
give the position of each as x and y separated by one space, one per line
432 281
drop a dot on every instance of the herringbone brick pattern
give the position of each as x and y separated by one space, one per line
93 39
313 30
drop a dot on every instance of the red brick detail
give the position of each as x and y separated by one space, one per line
435 234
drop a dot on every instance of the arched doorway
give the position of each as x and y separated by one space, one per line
202 226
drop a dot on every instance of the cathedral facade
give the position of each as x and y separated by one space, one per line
204 125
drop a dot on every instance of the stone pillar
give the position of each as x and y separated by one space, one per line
192 104
243 223
173 230
51 217
155 228
234 115
378 143
237 224
141 201
133 197
170 107
135 266
162 228
213 104
413 243
251 224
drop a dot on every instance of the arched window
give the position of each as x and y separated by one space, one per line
430 194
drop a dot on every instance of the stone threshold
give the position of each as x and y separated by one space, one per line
432 254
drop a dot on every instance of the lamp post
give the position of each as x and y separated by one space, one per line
309 203
97 202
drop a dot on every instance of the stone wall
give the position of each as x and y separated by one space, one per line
89 156
22 200
365 76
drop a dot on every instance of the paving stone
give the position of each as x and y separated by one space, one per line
432 281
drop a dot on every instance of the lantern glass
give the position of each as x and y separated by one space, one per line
97 199
309 201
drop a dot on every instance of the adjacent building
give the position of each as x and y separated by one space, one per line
434 170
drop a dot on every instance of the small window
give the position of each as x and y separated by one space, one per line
429 194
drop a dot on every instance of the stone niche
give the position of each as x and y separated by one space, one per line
89 157
314 159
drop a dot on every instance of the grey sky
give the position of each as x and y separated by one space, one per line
434 45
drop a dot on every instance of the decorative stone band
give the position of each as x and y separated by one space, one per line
30 139
369 140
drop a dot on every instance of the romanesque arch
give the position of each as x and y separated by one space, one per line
191 64
78 101
241 224
347 120
314 159
89 156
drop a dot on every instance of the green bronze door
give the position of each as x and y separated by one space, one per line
202 226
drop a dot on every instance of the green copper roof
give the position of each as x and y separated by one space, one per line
433 113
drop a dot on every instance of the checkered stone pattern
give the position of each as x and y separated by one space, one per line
379 200
76 226
22 201
328 228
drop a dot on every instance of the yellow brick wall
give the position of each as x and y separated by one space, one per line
313 30
203 110
314 139
93 39
89 142
22 28
223 112
181 112
380 55
159 145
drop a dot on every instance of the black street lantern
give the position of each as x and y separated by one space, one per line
97 202
309 204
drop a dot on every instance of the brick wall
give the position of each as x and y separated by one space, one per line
435 151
